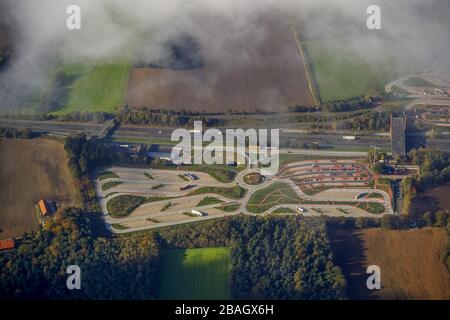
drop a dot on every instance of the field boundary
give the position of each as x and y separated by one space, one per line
307 67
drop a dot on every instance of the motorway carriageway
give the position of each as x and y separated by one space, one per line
124 132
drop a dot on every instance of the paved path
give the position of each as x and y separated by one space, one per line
415 92
185 203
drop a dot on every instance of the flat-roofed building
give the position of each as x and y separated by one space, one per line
6 244
398 139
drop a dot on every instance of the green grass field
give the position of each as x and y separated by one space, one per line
107 175
229 207
341 73
209 201
100 87
110 185
234 193
275 194
195 274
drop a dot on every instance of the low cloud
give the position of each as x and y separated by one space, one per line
414 31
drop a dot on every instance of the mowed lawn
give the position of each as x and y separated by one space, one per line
101 87
195 274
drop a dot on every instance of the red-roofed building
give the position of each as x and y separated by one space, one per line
6 244
43 207
46 207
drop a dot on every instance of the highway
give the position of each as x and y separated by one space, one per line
288 140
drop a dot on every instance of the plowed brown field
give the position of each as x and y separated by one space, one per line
266 73
410 261
30 170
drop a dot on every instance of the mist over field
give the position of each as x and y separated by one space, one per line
414 32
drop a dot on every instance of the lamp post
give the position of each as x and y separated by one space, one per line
375 148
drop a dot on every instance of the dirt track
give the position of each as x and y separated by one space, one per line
266 74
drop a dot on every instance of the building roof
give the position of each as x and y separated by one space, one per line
398 141
43 207
6 244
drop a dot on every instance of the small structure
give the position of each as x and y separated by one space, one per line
46 208
398 139
7 244
163 152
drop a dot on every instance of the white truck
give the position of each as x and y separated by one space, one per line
349 137
198 213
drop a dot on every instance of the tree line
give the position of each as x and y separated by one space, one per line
170 119
112 268
77 116
11 133
434 166
272 258
5 56
367 121
86 155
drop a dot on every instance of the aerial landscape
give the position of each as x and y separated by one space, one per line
328 123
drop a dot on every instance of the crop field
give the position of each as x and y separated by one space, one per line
195 274
340 73
411 262
31 170
258 74
96 88
277 193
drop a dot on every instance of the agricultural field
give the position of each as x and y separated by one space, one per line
340 73
195 274
411 262
258 74
31 170
100 87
